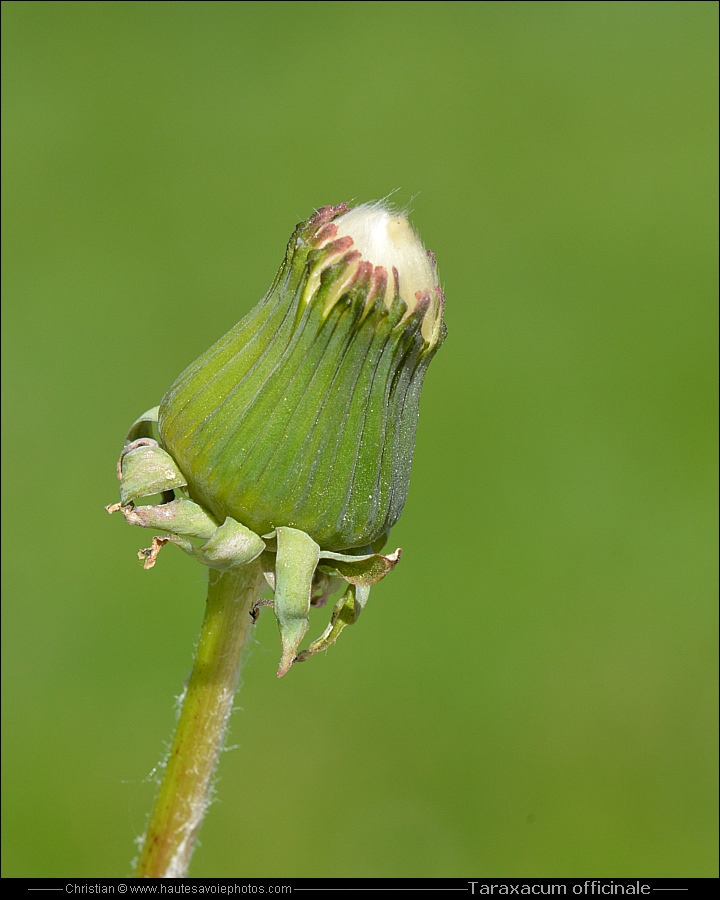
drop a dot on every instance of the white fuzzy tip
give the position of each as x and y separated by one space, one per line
386 238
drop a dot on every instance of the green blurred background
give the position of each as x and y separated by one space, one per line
532 692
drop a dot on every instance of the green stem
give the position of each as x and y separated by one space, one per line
183 796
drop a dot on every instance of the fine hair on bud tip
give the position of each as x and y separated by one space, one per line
386 238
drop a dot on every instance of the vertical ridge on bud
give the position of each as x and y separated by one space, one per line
304 414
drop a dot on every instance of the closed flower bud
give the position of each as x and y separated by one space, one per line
290 441
303 416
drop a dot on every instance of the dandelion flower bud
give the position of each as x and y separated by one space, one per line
304 415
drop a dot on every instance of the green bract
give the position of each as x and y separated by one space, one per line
292 437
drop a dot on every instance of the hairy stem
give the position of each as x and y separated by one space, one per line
183 796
